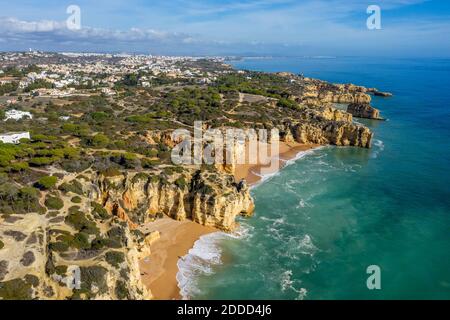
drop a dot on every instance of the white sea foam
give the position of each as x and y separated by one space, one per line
201 259
302 204
288 284
298 156
379 144
379 147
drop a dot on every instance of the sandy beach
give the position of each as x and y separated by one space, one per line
159 270
252 172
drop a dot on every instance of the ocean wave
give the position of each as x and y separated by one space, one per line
287 283
379 147
303 204
298 156
379 144
201 259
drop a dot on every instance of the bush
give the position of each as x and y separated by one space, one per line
14 200
43 161
46 183
74 186
99 140
1 244
94 276
115 258
76 199
54 203
111 172
180 182
16 289
61 270
81 241
59 246
79 221
98 211
122 290
19 166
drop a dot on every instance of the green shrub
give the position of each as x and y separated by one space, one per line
114 258
81 241
73 186
76 199
43 161
121 290
141 176
94 276
47 182
181 182
59 246
19 166
79 221
110 172
99 140
100 243
1 244
32 280
98 211
149 163
54 203
16 289
61 270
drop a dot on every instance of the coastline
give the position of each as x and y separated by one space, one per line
159 270
252 172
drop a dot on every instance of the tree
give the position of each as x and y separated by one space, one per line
100 140
47 182
130 80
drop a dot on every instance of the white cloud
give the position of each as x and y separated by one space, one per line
12 28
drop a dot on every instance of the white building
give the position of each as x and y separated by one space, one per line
17 115
14 137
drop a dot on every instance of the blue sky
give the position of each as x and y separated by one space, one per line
410 28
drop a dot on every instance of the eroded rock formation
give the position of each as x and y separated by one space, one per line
206 197
364 110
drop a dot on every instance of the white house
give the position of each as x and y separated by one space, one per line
17 115
14 137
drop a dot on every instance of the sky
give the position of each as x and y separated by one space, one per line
409 28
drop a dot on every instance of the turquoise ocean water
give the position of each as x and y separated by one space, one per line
322 220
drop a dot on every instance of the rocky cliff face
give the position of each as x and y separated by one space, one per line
206 197
316 92
98 238
326 126
363 110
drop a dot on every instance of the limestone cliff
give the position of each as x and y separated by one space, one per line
206 197
98 238
364 110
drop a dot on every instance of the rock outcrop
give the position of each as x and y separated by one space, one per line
206 197
364 110
378 93
91 250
